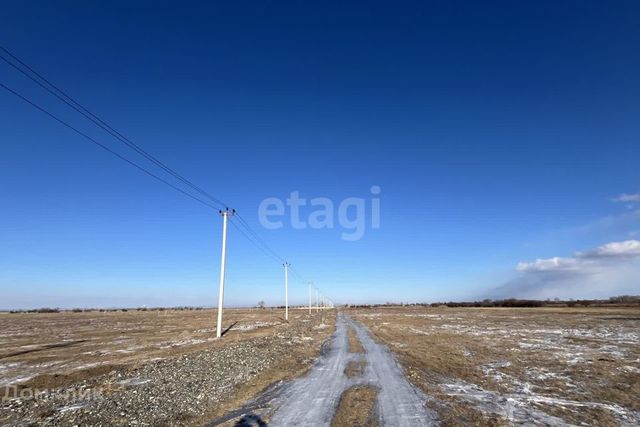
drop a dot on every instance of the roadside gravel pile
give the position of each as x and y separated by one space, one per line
178 391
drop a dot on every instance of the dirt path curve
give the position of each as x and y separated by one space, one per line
313 399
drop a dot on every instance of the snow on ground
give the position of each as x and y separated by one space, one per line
253 325
519 408
534 367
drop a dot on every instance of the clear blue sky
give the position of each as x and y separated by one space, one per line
498 132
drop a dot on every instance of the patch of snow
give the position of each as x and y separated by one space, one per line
254 325
170 344
133 382
516 407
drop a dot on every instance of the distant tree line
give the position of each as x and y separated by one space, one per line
105 310
623 300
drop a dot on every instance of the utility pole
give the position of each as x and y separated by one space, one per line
310 284
317 307
286 266
225 216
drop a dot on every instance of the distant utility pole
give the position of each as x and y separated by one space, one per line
286 266
317 307
310 284
225 216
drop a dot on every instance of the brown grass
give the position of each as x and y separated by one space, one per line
439 345
357 408
102 342
60 344
354 343
59 349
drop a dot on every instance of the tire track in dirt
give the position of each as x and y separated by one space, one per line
313 399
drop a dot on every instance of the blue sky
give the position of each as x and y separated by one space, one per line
498 133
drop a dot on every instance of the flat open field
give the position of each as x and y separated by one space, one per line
499 366
149 367
458 366
32 344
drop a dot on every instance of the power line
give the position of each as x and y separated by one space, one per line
253 241
68 100
54 90
249 234
104 147
259 239
295 273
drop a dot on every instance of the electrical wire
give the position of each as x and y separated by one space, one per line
242 225
68 100
104 147
46 84
246 225
253 241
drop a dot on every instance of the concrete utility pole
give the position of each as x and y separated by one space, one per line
286 266
310 284
225 216
317 307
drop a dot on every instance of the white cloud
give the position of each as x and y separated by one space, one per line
627 198
549 264
628 248
625 249
607 270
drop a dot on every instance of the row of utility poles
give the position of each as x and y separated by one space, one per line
321 301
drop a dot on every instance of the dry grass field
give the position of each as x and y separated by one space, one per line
149 367
35 345
478 366
500 366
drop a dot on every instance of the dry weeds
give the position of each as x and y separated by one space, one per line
47 351
63 345
357 408
577 364
354 343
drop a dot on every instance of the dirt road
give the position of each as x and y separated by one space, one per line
313 399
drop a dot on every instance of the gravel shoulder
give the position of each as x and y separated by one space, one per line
185 389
